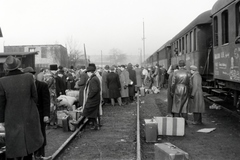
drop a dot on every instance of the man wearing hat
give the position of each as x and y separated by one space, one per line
196 101
92 98
180 91
18 111
43 106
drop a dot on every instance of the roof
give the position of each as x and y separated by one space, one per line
5 54
203 18
220 4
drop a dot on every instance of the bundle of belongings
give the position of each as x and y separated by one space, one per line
67 111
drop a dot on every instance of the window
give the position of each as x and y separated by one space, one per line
195 39
215 32
186 43
31 49
191 41
225 27
183 44
238 19
180 45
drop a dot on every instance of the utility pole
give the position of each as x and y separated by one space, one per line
143 43
101 59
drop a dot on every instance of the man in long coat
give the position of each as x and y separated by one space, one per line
92 97
105 91
114 86
43 106
132 82
196 102
82 83
180 90
18 111
124 81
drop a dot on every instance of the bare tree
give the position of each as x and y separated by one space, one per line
116 56
75 55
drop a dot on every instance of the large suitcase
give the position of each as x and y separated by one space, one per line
151 130
168 151
171 126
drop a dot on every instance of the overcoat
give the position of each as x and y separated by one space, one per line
92 97
132 77
82 83
114 85
197 104
180 90
138 77
43 104
124 81
105 91
18 110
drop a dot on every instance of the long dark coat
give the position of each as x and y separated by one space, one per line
105 91
180 89
82 83
124 81
197 104
18 110
92 97
113 84
132 77
43 105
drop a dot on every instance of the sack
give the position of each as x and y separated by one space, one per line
66 101
155 90
73 93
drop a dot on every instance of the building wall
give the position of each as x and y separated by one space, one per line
47 54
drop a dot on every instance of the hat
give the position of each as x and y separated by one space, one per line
181 63
106 67
112 68
11 63
194 68
29 70
91 69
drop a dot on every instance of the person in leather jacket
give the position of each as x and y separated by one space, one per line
180 90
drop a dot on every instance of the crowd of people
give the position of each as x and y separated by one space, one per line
28 101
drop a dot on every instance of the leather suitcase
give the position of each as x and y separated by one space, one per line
151 130
171 126
168 151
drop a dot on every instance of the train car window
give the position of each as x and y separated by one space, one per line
31 49
191 41
195 39
186 44
225 27
182 44
215 30
238 19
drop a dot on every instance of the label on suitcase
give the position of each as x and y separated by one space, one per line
168 151
151 132
171 126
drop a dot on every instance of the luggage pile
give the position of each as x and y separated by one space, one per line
66 110
165 126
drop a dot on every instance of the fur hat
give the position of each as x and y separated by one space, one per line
11 63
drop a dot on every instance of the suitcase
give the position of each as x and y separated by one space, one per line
151 130
168 151
171 126
65 124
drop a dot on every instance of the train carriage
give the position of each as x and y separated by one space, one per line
193 44
226 44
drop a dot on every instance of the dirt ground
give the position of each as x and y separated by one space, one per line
221 144
116 140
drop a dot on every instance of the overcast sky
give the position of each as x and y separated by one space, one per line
99 24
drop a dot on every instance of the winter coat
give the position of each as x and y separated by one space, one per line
132 77
180 90
18 110
124 81
138 77
82 83
105 91
113 84
197 104
92 97
43 104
